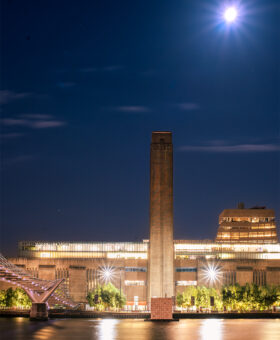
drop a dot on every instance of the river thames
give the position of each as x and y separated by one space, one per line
107 329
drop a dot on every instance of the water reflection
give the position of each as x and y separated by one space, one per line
107 329
45 333
211 329
111 329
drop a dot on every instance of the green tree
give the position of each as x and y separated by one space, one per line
218 301
21 298
201 295
2 298
109 297
10 299
187 296
180 299
232 296
14 298
250 297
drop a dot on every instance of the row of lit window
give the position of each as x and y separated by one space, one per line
247 219
186 269
135 269
134 283
210 247
185 283
59 254
225 256
248 227
99 247
246 234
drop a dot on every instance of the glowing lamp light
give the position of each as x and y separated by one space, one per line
212 273
106 273
230 14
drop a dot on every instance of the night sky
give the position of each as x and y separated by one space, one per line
84 84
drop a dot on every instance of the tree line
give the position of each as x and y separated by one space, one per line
233 298
14 298
106 297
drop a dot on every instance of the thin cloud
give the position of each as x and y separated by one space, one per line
232 148
7 96
132 109
34 121
188 106
14 122
43 124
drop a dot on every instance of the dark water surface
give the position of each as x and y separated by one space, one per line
107 329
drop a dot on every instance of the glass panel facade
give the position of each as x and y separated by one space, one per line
130 250
186 269
83 250
135 269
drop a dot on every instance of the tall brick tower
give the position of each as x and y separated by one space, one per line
161 250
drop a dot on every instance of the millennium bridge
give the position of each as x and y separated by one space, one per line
43 294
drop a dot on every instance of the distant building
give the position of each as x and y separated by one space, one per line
255 225
245 250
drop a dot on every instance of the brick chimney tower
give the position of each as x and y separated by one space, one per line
161 248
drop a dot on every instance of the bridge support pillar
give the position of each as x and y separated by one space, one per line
39 311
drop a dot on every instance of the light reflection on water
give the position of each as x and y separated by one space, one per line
107 329
112 329
211 329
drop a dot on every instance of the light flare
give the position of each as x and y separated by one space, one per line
107 273
230 14
212 273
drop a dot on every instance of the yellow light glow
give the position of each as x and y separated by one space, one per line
107 329
143 256
45 255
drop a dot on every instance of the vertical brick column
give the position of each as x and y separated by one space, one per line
161 249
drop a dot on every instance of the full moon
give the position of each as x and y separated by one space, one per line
230 14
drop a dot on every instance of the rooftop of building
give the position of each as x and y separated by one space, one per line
251 212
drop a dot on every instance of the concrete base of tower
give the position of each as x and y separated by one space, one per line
39 311
161 309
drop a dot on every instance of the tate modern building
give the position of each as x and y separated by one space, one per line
246 249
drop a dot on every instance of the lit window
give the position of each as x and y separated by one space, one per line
185 283
186 269
134 283
135 269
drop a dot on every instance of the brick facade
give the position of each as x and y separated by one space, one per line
161 252
161 308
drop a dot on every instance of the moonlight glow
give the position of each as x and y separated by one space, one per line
230 14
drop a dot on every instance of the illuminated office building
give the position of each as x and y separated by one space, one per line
246 249
255 225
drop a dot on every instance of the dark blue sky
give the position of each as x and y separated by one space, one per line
83 85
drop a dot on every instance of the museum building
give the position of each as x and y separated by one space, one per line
246 249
